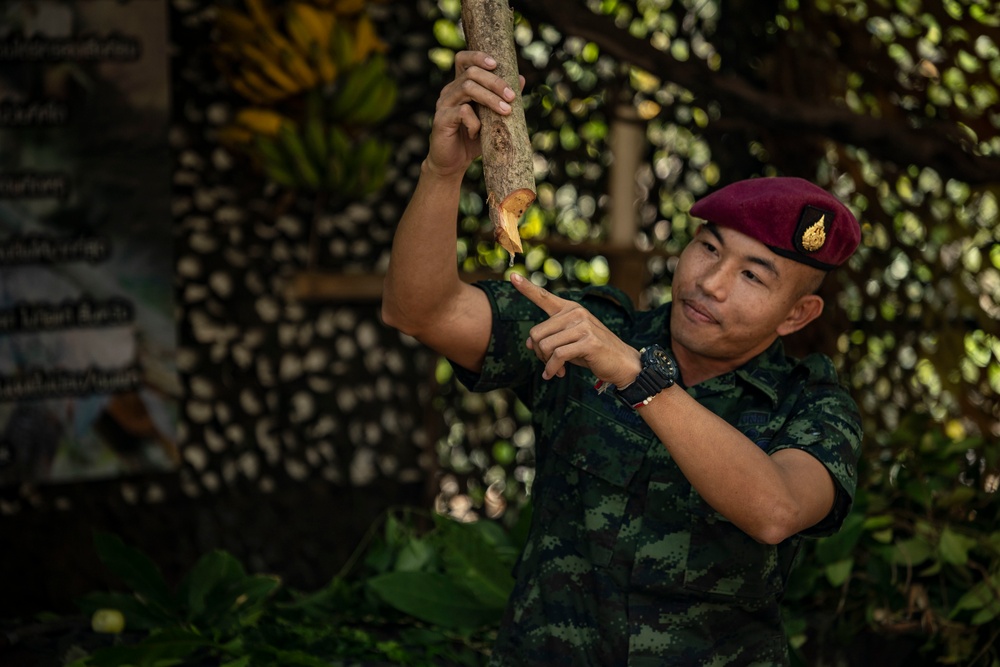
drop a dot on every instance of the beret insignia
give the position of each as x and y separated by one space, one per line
810 234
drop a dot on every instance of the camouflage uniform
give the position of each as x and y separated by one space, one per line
625 564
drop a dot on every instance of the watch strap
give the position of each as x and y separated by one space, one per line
658 373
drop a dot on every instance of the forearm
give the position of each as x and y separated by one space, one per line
768 497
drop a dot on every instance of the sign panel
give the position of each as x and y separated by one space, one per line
88 384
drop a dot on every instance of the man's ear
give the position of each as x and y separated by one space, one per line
804 311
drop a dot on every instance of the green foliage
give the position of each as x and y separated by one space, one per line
456 576
918 557
421 596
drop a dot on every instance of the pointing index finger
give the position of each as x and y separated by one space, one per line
539 296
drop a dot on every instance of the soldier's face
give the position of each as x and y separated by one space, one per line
732 297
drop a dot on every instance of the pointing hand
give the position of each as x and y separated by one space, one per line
572 334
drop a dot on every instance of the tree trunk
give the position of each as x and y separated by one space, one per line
507 157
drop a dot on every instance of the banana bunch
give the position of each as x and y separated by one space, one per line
315 153
311 29
249 123
266 61
260 62
322 63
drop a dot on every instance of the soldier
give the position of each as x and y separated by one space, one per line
681 456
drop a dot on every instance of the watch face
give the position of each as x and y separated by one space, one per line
661 358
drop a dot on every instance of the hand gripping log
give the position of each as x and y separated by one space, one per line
507 156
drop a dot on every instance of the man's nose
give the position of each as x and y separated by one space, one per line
715 282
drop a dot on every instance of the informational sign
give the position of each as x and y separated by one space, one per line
88 385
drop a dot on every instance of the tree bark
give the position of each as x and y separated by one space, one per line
507 156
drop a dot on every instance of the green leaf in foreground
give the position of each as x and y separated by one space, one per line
134 568
434 598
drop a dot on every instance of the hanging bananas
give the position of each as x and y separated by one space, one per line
259 62
310 29
314 154
325 58
266 63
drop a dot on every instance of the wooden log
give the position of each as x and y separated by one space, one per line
507 156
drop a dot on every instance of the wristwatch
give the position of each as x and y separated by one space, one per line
659 371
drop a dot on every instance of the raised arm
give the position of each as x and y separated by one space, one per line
423 295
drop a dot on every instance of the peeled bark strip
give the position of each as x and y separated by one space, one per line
507 157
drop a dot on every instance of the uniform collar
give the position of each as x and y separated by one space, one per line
767 372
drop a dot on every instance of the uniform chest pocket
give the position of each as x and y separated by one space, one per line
604 438
596 458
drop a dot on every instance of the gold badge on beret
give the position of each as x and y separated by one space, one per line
814 237
811 232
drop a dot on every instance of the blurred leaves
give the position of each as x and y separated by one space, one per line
425 592
456 575
919 555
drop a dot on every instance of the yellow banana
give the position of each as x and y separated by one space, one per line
297 67
322 23
287 55
310 29
270 69
297 28
319 23
324 64
243 89
260 121
366 40
261 15
265 88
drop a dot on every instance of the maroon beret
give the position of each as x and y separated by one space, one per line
791 216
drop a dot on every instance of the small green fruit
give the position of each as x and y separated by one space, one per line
108 621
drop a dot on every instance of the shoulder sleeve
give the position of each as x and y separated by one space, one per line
826 423
508 361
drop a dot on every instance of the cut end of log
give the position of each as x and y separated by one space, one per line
509 214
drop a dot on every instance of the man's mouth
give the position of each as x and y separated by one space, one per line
699 312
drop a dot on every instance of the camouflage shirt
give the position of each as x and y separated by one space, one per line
625 564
